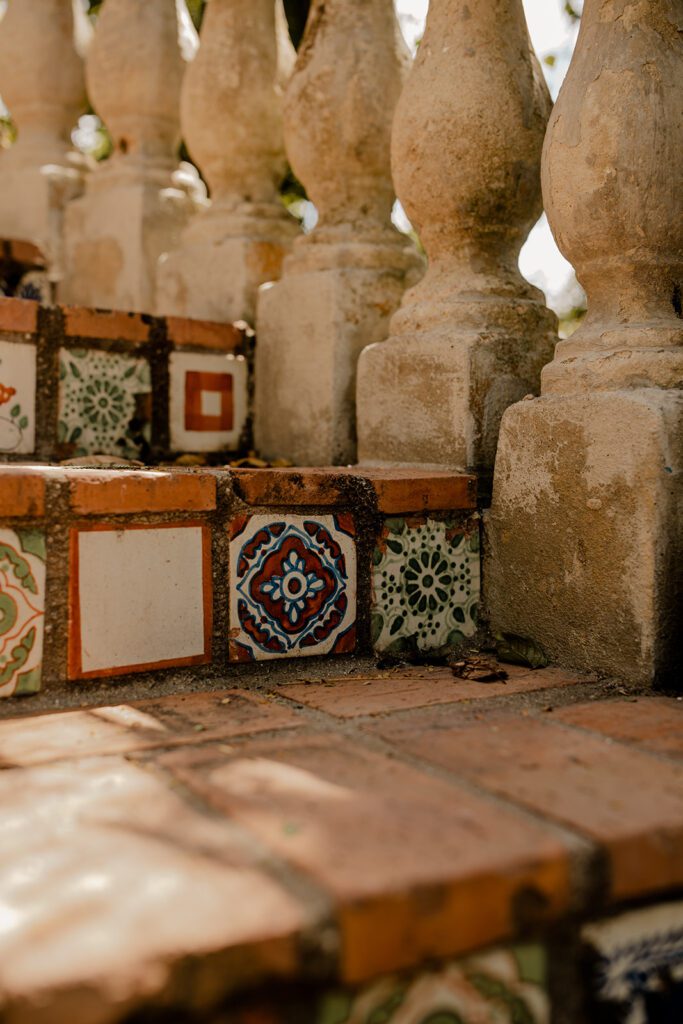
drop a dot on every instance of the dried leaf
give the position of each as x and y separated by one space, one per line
519 650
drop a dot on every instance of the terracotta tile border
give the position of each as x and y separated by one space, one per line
396 491
110 325
26 252
119 493
22 492
205 334
18 315
75 664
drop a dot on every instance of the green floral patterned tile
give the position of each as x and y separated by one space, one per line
426 584
104 403
22 610
486 988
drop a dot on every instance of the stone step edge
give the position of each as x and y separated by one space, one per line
23 489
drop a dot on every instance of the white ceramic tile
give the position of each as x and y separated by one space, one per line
22 610
292 586
188 432
141 598
17 398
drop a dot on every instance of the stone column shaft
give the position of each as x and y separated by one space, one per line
344 280
586 528
472 337
42 84
132 211
232 124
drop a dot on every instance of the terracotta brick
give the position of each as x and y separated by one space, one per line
416 867
654 723
138 726
204 333
27 252
350 698
22 491
116 884
18 315
395 490
98 492
628 802
290 487
411 490
111 325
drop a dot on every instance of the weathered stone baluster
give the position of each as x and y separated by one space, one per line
42 83
586 527
232 124
472 337
131 212
344 280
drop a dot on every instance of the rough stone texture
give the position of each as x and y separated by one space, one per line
472 337
131 212
585 535
232 123
586 528
41 79
345 279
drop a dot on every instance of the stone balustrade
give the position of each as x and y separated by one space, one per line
586 538
362 355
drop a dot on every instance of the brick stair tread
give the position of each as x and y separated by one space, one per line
173 849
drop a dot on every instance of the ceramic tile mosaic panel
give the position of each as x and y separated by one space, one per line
208 401
505 987
635 966
104 403
292 586
17 398
426 583
22 610
140 598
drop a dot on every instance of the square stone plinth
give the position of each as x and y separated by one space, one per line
585 538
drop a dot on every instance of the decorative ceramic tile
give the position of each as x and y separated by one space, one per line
292 586
22 610
208 401
636 966
104 403
17 398
140 598
501 986
426 581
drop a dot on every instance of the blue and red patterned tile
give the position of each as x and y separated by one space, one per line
425 584
292 586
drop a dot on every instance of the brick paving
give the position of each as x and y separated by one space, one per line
176 849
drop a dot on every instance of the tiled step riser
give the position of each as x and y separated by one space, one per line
114 574
76 382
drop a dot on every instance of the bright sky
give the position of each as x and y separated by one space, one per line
551 32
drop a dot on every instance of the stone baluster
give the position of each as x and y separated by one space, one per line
586 545
343 281
132 211
42 84
472 337
232 124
